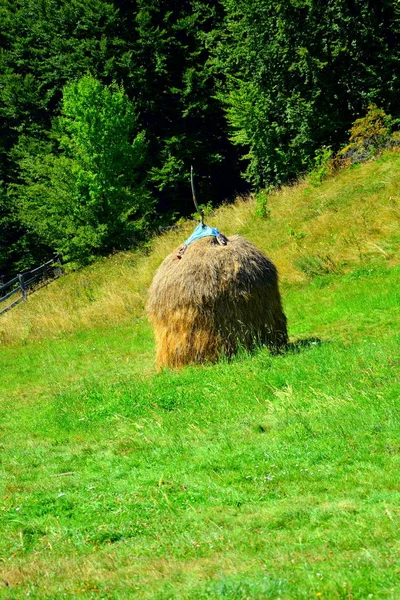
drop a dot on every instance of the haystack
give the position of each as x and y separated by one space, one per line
213 300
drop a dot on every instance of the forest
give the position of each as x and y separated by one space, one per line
105 105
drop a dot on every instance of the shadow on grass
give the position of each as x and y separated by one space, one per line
302 344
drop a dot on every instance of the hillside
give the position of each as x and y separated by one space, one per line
347 221
261 477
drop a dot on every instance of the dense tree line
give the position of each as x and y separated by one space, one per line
105 104
300 71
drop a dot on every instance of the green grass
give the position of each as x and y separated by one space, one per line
261 477
103 353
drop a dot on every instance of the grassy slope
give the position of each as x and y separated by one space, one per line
263 477
345 221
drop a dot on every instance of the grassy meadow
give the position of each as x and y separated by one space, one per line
262 477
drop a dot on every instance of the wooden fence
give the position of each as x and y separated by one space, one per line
25 283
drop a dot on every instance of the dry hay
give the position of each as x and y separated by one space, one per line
214 300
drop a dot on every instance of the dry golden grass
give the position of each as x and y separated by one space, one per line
95 572
348 219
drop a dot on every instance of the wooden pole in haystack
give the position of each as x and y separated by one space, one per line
201 213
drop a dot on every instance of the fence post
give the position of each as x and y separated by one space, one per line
22 286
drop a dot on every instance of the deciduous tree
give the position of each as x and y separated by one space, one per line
83 190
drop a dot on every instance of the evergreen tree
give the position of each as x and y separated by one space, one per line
184 121
16 243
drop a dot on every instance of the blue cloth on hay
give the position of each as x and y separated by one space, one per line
200 232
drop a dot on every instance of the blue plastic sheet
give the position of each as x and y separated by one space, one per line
200 232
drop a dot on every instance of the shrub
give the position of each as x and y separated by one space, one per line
262 209
369 136
322 168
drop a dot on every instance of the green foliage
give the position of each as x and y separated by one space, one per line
297 74
184 120
83 190
206 209
322 166
210 81
157 51
44 45
262 209
5 222
16 243
370 135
